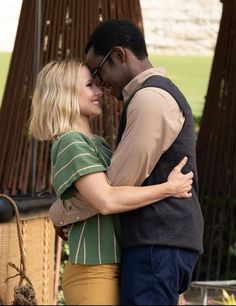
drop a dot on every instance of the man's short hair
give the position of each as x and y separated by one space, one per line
117 32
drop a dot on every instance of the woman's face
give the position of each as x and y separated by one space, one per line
90 96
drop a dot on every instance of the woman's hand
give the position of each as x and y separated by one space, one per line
180 184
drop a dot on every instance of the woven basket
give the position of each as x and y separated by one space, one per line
38 245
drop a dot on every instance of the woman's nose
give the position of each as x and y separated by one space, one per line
99 92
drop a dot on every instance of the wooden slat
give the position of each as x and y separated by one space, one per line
65 28
216 155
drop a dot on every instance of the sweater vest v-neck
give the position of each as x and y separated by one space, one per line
170 222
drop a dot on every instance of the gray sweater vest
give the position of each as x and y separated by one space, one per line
170 222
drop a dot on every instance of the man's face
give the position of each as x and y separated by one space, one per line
109 73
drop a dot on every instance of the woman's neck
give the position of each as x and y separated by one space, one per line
84 127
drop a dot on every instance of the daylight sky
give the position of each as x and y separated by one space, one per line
9 17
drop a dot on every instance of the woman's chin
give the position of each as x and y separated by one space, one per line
97 114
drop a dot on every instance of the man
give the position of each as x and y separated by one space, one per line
161 242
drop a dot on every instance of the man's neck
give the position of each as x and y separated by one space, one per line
141 66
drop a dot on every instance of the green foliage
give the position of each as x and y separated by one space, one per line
64 259
226 299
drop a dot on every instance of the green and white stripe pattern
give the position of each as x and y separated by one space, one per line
74 155
96 240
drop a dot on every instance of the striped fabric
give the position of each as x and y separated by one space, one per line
96 240
74 155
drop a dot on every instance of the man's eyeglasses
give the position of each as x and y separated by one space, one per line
95 70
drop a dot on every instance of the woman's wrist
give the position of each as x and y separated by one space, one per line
169 189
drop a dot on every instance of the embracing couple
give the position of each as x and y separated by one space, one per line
134 221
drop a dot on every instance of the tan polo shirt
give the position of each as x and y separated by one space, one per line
154 120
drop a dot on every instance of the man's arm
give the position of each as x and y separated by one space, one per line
154 120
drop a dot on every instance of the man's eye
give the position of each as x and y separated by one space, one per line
90 84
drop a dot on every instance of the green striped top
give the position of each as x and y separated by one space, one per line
95 240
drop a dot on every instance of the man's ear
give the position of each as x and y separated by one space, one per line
119 55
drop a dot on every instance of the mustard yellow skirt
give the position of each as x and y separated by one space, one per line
91 284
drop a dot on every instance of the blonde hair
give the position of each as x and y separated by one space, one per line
55 104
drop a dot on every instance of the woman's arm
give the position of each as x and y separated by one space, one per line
115 199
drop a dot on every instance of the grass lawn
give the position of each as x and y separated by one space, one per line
190 73
5 58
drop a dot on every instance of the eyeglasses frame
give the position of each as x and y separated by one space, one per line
99 66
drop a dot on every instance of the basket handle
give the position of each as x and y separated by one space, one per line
21 271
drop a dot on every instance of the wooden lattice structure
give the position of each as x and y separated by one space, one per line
47 30
65 28
216 156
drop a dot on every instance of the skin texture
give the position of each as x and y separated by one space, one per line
90 97
118 73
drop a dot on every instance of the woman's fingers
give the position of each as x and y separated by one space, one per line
181 164
188 194
189 174
188 186
190 182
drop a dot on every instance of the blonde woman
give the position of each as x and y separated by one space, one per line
64 100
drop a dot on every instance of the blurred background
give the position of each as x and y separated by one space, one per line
195 41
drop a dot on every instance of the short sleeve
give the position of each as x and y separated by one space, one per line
73 156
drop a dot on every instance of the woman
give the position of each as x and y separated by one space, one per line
64 100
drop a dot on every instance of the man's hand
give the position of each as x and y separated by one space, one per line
62 231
